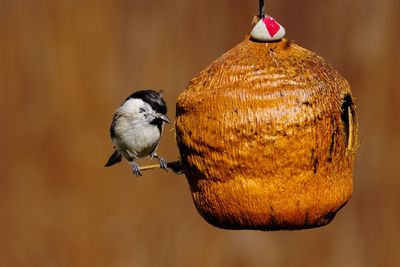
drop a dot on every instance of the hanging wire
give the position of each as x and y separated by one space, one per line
261 13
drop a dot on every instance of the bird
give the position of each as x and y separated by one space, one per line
137 127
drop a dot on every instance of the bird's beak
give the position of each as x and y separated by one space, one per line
164 118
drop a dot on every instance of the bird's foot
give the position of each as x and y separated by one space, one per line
163 163
136 169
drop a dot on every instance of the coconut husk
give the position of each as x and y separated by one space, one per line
267 135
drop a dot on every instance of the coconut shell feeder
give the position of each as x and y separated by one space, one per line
267 135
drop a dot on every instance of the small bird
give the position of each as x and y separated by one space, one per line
137 127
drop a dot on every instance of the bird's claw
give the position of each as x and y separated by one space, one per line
163 164
136 169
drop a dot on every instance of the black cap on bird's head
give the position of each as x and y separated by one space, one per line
151 97
154 99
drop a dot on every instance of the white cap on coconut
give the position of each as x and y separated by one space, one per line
267 30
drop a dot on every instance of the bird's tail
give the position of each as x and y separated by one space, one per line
114 158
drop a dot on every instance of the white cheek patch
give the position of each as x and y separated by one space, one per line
267 29
136 111
132 105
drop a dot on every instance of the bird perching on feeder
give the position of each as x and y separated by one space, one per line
267 135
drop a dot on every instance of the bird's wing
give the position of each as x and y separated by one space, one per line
114 121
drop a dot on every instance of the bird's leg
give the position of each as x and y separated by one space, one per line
136 169
163 162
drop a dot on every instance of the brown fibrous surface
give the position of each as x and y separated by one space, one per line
267 135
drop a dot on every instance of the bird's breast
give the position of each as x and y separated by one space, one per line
139 140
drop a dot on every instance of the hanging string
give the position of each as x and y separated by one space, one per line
266 29
261 13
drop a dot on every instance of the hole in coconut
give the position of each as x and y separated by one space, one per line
348 120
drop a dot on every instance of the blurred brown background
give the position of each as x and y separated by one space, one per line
66 65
